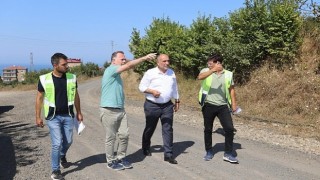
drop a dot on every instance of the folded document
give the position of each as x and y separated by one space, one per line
78 126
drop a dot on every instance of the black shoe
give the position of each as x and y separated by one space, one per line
56 175
146 152
63 162
171 160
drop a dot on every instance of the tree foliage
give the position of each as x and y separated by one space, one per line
162 36
89 69
264 30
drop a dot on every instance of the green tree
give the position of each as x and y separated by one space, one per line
162 36
263 31
203 38
91 70
106 64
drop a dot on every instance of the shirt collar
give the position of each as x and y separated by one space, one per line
160 72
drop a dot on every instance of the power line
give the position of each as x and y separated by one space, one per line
99 43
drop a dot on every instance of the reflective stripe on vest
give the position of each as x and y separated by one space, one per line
49 95
206 85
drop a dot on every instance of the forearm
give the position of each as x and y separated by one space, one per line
131 64
204 75
77 103
38 110
149 91
233 97
38 106
134 62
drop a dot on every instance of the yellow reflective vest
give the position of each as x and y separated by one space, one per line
49 92
206 85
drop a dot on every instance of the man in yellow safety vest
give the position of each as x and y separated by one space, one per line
217 97
57 93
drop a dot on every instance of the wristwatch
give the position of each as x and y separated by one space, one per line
177 101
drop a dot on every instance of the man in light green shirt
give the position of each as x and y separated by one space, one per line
112 113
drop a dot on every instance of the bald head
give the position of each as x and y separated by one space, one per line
163 62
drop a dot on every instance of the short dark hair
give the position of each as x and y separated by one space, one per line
114 54
215 57
56 58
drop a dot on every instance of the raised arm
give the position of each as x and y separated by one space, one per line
134 62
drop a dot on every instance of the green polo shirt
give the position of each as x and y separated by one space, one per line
112 94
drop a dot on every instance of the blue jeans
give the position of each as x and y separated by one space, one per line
60 127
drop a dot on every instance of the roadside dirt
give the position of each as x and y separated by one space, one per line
263 153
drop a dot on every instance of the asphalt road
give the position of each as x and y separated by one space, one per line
25 149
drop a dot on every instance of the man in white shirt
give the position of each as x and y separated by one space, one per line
160 86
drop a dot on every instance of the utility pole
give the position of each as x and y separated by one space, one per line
31 62
112 44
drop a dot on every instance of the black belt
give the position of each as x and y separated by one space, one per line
158 103
111 108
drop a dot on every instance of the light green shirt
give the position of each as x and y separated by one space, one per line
112 94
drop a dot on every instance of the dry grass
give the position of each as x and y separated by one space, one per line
131 85
18 87
289 97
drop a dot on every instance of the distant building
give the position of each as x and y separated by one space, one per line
14 73
74 62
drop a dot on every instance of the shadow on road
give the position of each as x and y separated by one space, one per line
15 147
4 109
7 158
219 147
86 162
179 148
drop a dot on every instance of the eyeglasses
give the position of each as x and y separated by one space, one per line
211 63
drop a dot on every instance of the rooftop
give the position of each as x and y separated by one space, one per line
15 67
74 60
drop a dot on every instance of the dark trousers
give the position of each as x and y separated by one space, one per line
209 113
154 112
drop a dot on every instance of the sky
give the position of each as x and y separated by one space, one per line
89 30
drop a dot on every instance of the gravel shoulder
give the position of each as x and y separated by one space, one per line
263 152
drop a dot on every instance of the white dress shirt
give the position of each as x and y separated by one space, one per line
165 83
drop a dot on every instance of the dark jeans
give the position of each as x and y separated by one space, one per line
153 112
209 113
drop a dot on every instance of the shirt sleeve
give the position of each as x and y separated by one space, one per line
145 82
232 82
204 70
40 87
175 91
